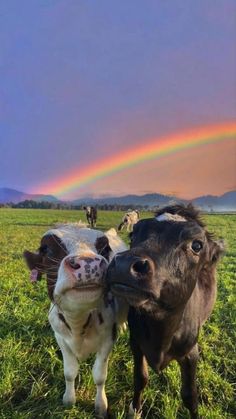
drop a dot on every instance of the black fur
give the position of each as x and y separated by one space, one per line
168 278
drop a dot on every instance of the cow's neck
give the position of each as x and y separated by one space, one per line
80 318
167 326
155 334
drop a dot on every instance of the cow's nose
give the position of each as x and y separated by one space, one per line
124 265
141 267
87 268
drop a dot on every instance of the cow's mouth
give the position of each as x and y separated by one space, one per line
139 297
87 287
133 294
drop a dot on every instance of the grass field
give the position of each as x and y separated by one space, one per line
32 381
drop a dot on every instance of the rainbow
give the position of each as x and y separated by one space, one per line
134 155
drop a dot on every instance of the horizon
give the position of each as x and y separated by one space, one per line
107 196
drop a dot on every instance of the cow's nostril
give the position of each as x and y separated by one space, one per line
73 264
141 266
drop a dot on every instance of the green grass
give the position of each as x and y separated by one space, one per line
32 381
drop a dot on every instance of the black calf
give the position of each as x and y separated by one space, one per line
168 279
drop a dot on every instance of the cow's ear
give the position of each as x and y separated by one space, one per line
33 261
217 250
103 247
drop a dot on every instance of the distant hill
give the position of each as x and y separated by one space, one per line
150 200
225 202
11 195
218 203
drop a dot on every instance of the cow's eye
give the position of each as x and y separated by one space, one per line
43 249
196 246
49 252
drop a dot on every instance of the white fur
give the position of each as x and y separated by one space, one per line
116 244
76 236
166 216
77 346
133 414
75 340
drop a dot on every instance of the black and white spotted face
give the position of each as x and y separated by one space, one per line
81 278
82 271
74 259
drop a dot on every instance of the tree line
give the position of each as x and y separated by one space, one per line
30 204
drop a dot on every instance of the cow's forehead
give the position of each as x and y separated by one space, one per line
74 237
167 229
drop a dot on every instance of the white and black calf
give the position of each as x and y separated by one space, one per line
168 279
91 215
83 317
128 221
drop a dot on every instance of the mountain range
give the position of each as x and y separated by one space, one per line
225 202
11 195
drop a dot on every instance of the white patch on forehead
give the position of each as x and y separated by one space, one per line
166 216
76 238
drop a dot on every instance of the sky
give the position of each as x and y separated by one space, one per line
81 81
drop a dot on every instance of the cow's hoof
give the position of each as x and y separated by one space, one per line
101 415
68 400
133 413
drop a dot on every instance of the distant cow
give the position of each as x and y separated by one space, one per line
91 215
129 219
83 318
168 278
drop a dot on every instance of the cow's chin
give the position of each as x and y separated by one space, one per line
133 296
142 299
80 296
86 292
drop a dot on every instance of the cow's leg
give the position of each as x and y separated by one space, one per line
188 366
140 380
121 226
70 364
99 376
